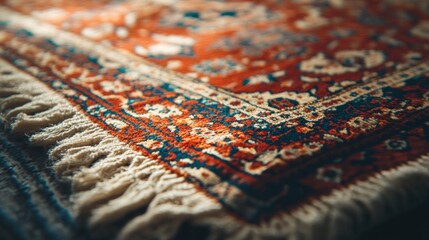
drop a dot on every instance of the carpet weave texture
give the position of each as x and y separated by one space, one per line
293 119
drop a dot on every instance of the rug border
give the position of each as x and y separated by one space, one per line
381 196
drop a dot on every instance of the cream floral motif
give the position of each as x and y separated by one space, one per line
115 87
162 111
167 45
262 99
312 20
116 123
421 30
212 136
343 62
362 123
290 152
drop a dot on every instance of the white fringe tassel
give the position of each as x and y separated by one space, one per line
110 180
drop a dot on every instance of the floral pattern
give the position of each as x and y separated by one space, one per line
265 109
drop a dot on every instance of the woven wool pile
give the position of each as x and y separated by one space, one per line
250 120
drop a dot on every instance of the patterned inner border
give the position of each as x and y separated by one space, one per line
157 75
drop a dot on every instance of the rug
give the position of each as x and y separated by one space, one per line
303 119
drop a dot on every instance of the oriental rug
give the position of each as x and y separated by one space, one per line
300 119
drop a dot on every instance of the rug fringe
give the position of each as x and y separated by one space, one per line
110 180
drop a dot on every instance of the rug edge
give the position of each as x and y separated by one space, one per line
30 108
24 98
